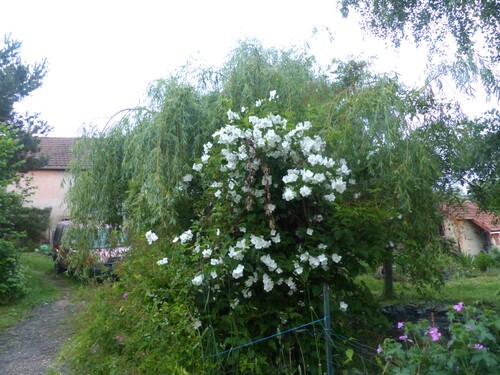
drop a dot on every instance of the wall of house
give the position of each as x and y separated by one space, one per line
472 240
52 186
467 237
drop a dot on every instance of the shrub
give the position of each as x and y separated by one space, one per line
483 261
12 281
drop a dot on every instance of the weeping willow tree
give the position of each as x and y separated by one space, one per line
133 169
382 129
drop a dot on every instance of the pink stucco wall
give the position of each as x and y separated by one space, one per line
51 186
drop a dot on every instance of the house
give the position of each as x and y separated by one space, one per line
470 229
51 181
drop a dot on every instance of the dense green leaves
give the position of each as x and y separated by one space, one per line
18 80
474 27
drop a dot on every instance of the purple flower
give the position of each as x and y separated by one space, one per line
401 325
379 350
435 334
458 307
403 337
124 295
478 346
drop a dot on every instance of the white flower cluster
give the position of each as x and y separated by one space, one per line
241 160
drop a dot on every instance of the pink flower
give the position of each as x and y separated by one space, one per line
379 350
458 307
401 325
119 338
435 334
124 295
478 346
403 337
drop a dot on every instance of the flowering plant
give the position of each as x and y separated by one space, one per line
470 346
268 189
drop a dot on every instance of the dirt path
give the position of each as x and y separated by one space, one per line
29 347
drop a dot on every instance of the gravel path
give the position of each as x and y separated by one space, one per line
29 347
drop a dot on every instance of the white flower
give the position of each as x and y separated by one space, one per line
151 237
215 262
238 271
198 280
163 261
232 116
268 283
330 197
270 207
243 109
197 324
206 253
217 194
187 178
235 254
309 231
343 306
213 274
259 242
186 236
305 191
217 232
339 185
269 262
272 95
276 239
289 194
318 218
322 246
204 158
258 103
235 302
197 167
242 229
336 258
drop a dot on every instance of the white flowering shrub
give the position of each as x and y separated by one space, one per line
269 184
269 232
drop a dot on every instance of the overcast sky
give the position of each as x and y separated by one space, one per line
103 54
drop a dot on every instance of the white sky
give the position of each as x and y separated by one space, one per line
102 54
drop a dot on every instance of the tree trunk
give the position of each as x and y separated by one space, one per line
388 275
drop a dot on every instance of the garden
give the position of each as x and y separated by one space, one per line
260 200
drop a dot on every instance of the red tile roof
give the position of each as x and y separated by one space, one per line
58 150
489 222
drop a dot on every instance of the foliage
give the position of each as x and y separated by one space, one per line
470 346
473 25
12 283
139 324
18 80
40 289
276 228
33 222
277 208
12 280
483 261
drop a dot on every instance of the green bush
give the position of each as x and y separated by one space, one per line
12 281
483 261
33 222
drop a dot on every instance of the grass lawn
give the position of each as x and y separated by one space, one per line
40 274
481 289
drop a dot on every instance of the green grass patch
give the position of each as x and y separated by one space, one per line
480 289
42 288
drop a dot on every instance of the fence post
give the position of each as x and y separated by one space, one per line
327 328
